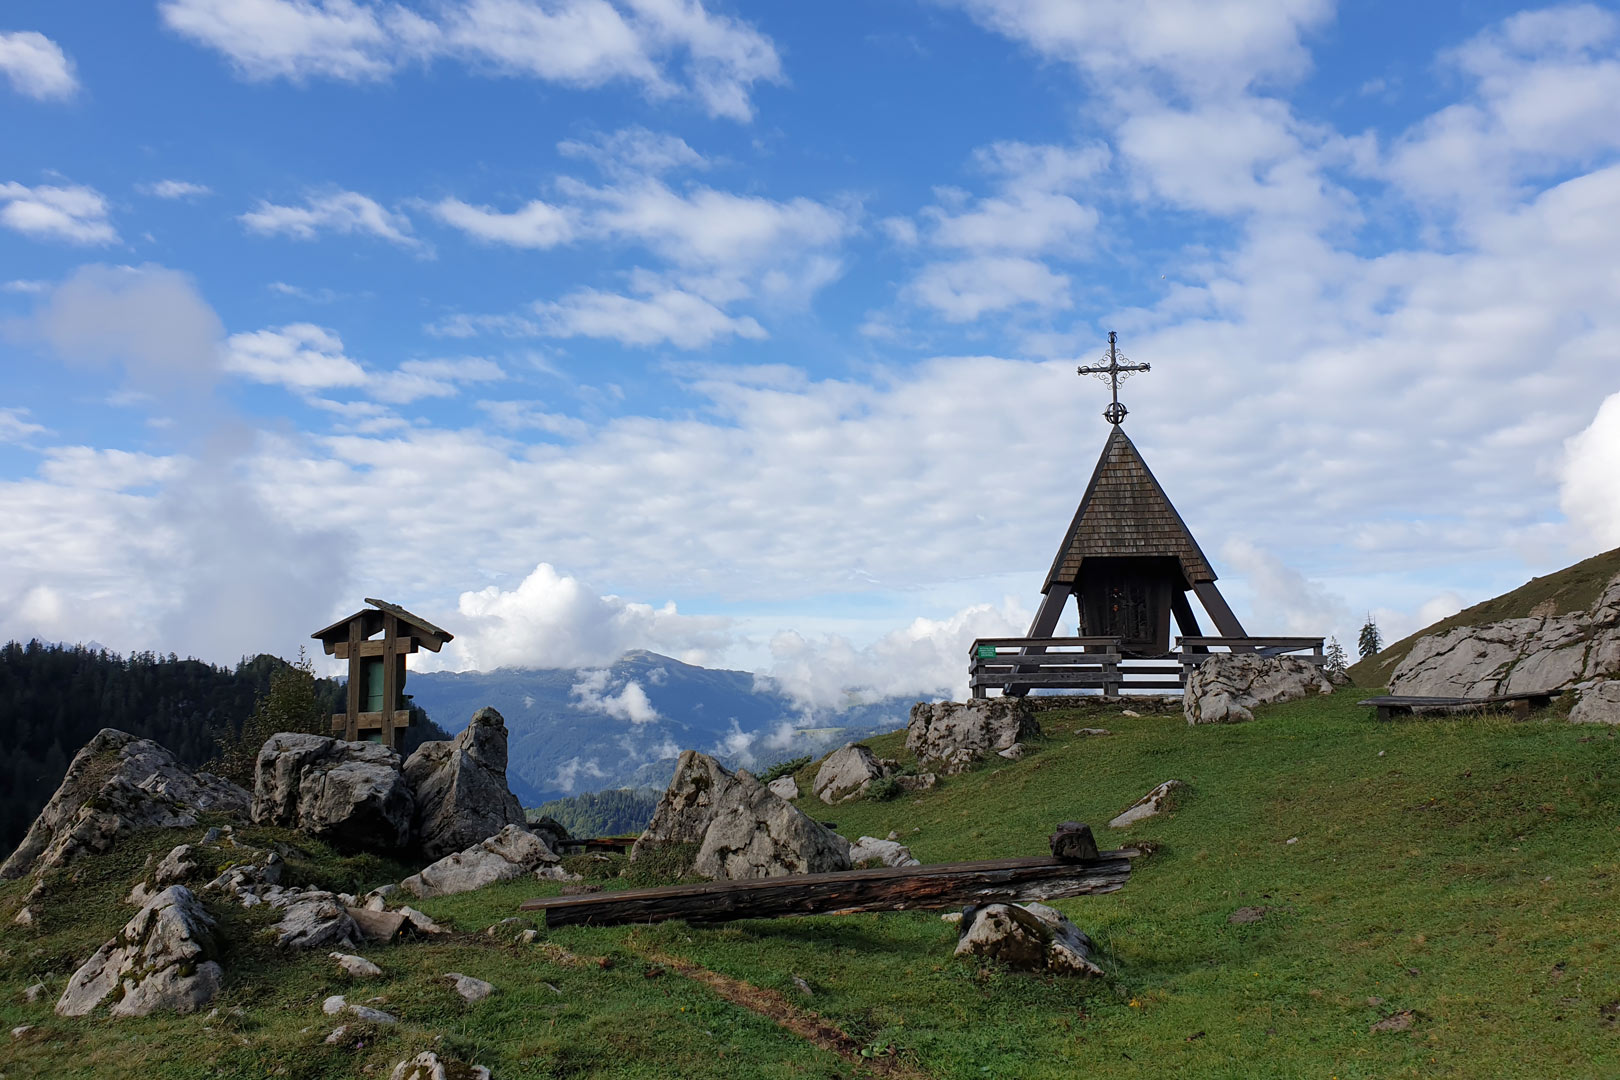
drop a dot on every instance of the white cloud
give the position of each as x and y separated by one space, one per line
554 620
537 225
76 214
1033 210
16 428
668 315
630 703
582 43
176 189
36 66
1589 477
968 288
342 212
634 151
569 772
299 356
25 285
415 379
1282 599
533 416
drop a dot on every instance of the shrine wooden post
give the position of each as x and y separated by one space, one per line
375 707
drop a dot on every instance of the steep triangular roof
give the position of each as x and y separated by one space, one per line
1126 513
372 617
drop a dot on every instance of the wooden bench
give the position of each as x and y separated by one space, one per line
1393 705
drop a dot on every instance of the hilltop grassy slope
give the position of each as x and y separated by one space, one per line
1461 868
1574 588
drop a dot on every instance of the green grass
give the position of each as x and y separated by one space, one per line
1574 588
1469 875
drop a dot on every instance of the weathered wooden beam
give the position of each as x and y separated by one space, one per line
905 888
376 648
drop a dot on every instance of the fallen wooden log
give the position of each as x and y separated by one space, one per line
948 885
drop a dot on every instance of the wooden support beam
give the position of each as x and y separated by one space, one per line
390 672
950 885
351 730
370 721
374 648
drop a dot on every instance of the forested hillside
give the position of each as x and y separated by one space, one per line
601 813
53 698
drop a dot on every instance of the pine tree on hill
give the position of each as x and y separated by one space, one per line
289 703
1337 660
1371 640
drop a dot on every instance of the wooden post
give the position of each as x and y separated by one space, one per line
1214 603
351 723
390 675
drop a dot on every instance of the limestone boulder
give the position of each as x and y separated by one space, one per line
950 736
115 785
1149 805
314 919
162 960
350 794
784 787
870 851
1227 687
1542 652
1027 937
742 830
511 853
1596 702
460 787
846 774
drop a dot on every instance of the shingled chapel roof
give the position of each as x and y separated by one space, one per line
1126 513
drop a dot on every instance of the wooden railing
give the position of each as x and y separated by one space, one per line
1077 664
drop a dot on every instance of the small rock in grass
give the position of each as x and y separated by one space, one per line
1401 1021
509 927
1092 731
420 922
34 993
19 1032
951 917
356 966
1247 915
1129 712
803 987
427 1066
556 873
528 937
472 990
1015 752
1292 840
337 1035
1147 806
336 1005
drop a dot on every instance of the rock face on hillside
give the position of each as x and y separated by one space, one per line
351 794
1029 937
510 853
115 785
1543 652
846 774
460 787
1225 688
161 960
951 735
743 830
1596 702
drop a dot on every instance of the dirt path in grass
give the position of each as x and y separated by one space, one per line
772 1005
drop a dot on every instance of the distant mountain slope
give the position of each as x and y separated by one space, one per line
1574 588
623 726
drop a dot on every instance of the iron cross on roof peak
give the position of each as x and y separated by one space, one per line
1117 368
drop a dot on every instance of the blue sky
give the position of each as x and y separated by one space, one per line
747 333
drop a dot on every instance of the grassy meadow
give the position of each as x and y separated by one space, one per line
1455 879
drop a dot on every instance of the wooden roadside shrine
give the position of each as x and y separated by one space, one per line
1129 562
377 710
1075 868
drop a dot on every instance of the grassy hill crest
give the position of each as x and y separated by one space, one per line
1574 588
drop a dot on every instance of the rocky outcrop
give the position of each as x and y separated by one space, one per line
1596 702
847 773
116 784
1543 652
460 787
163 959
1154 802
784 787
1028 937
870 851
511 853
351 794
740 828
951 735
314 919
1226 688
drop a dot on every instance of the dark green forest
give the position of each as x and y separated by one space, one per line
53 698
601 813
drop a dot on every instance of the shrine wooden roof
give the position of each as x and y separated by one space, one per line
372 621
1125 512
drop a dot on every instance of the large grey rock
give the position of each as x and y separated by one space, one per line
1029 937
351 794
743 830
846 774
163 959
313 919
951 735
510 853
1596 702
1542 652
1225 688
784 787
460 787
116 784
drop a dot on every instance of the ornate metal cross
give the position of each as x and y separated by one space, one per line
1113 372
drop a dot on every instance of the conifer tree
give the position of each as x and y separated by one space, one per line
289 704
1337 661
1371 640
